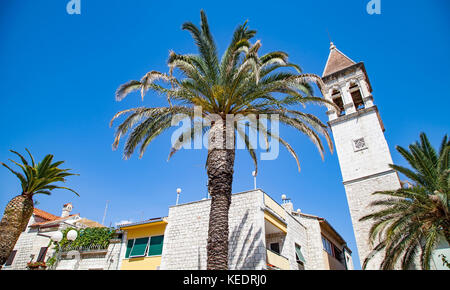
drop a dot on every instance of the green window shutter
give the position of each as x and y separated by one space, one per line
139 247
129 247
298 250
156 246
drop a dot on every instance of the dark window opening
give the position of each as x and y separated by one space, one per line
337 100
275 247
11 258
338 255
356 97
41 256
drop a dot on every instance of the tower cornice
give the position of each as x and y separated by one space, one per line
357 114
344 72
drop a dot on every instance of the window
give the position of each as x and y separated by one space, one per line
332 250
338 254
130 244
141 247
337 100
299 257
356 97
275 247
42 253
327 246
11 258
156 245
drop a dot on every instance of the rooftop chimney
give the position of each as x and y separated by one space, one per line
287 204
67 208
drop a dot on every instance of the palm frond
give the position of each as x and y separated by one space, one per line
411 219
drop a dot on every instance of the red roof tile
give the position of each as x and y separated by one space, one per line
53 220
45 215
336 61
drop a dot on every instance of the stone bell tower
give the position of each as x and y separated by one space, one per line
360 143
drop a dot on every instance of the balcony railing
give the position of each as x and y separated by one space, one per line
277 261
85 249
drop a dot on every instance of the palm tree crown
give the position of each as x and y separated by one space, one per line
241 82
413 219
40 178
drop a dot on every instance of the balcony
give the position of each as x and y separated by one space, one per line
276 261
332 263
274 207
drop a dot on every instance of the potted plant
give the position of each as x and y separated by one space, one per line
36 265
33 265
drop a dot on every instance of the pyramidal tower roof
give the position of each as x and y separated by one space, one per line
336 61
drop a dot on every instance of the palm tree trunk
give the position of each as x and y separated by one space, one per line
15 219
220 170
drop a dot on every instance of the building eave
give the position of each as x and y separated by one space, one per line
153 221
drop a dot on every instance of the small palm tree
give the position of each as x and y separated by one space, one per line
36 179
413 219
240 83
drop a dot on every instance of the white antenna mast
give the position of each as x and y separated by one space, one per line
254 179
104 214
178 195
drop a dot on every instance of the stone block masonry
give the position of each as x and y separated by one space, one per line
187 232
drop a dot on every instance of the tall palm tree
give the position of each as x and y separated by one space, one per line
412 220
37 178
240 83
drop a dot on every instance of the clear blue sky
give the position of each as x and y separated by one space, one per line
59 72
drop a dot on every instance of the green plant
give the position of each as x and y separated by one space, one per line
52 260
88 237
37 178
413 219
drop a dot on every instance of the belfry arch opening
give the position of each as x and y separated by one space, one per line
337 100
355 92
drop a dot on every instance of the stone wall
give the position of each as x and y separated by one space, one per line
373 158
314 248
359 196
29 243
187 232
95 260
296 234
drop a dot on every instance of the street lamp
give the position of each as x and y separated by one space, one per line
72 235
57 237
